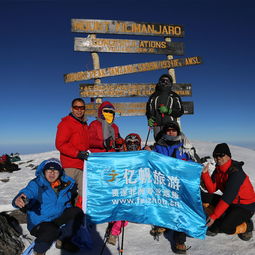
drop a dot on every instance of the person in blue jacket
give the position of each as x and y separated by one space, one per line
174 143
47 200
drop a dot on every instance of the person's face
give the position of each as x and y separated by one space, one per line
51 175
221 158
171 132
78 109
165 81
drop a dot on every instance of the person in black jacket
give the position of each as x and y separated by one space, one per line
164 105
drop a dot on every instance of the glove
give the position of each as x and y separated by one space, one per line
83 155
163 109
109 143
151 122
119 141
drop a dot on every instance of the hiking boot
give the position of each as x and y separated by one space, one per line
112 239
211 233
247 235
156 231
67 245
180 248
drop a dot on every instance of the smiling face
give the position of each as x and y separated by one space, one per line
78 109
51 175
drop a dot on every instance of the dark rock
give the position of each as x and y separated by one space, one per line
10 232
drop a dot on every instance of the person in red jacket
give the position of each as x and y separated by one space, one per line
232 211
72 141
103 133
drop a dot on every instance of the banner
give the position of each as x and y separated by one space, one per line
144 187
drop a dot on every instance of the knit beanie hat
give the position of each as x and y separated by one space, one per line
173 125
53 164
221 148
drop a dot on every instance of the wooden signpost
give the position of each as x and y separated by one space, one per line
94 26
128 46
134 68
94 45
132 109
128 90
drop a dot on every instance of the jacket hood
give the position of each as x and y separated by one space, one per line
40 169
104 105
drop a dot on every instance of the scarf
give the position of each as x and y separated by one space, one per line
107 128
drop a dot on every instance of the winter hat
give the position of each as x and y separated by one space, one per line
173 125
221 148
133 142
105 106
167 76
53 164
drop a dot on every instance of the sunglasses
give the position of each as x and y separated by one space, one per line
76 107
51 171
219 155
108 111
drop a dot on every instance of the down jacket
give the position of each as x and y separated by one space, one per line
235 185
96 136
45 204
72 137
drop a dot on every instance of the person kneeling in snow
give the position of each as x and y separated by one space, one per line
50 215
230 212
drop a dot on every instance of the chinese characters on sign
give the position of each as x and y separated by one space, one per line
143 187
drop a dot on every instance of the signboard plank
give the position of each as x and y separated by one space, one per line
94 26
132 109
128 46
134 68
128 89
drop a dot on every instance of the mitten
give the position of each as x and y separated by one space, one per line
83 155
151 122
163 109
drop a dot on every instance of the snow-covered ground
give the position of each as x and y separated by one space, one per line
137 240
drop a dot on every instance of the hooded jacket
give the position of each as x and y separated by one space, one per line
72 137
164 96
96 132
179 148
45 204
235 185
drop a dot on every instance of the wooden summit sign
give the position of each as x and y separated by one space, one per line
128 46
132 109
128 90
94 26
134 68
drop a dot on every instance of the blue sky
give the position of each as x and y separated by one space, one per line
37 50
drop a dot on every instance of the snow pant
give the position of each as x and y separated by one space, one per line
232 217
117 225
179 237
77 175
48 232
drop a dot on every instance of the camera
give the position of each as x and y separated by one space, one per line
26 201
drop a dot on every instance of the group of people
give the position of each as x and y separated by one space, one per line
53 200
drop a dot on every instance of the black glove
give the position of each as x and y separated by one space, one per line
83 155
109 143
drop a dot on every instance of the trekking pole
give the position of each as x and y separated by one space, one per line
106 235
147 137
122 238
